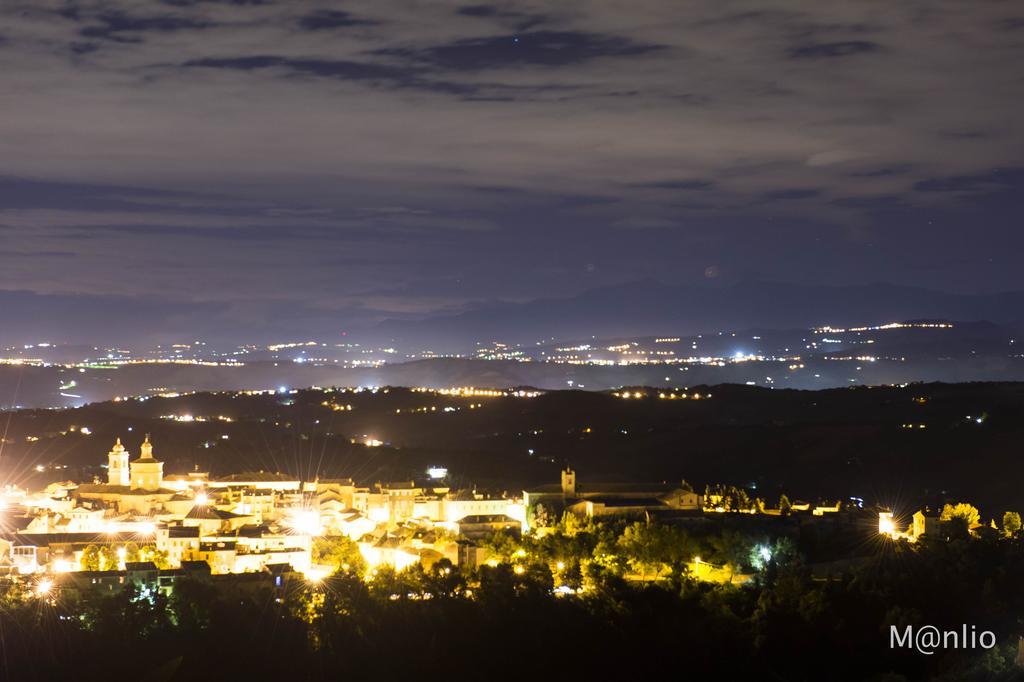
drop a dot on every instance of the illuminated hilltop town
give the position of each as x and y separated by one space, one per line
238 524
141 520
144 527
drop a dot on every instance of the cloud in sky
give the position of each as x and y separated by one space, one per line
514 148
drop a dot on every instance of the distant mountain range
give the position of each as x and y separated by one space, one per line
651 307
953 351
646 307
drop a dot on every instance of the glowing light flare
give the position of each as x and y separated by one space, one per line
886 525
306 522
317 574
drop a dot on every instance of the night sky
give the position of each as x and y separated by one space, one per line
249 161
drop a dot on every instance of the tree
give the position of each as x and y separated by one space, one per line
573 524
541 517
961 511
444 580
131 553
652 547
728 547
502 545
1011 523
339 552
388 584
157 556
191 604
740 499
108 559
785 506
90 558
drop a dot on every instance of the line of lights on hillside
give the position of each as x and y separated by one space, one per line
473 392
883 327
191 418
433 408
662 395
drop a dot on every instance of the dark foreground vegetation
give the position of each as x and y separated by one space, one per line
640 613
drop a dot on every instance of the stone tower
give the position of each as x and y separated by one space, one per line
568 483
117 466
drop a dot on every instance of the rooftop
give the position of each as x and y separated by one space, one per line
486 518
206 512
609 488
258 477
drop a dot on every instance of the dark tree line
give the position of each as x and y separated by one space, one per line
511 620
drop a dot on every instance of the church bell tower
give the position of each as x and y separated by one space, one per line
117 465
568 483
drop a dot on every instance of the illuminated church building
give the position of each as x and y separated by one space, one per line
132 485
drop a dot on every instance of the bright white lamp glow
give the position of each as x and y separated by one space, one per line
305 522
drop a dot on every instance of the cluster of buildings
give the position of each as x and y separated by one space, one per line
139 511
250 522
243 523
613 499
144 525
923 522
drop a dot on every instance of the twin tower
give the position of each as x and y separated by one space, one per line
145 473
